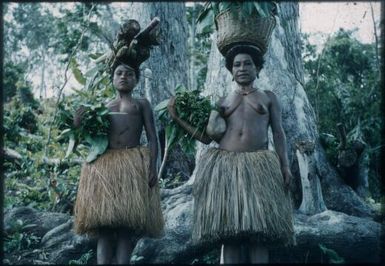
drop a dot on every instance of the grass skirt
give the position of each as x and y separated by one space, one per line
241 196
113 192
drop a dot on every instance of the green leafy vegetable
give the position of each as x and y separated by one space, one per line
95 122
190 107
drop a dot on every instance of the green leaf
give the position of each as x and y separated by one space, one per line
206 10
91 72
205 25
331 254
71 145
223 6
95 55
76 71
162 105
65 133
259 9
171 135
248 7
99 145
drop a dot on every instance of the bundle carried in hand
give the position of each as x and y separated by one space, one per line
192 108
92 132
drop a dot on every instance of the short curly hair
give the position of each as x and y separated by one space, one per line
254 52
120 62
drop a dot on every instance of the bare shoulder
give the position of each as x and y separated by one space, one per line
144 104
272 97
113 104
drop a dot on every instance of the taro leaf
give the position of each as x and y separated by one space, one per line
99 145
162 105
81 93
95 55
71 145
223 6
206 10
103 111
76 71
180 88
171 134
260 10
91 72
204 26
65 133
331 254
247 7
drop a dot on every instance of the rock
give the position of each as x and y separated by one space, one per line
32 220
64 245
355 239
58 244
177 211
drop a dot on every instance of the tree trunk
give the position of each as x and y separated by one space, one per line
42 79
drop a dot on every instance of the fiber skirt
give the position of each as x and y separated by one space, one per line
241 196
113 192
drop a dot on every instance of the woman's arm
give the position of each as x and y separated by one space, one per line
152 139
194 132
279 136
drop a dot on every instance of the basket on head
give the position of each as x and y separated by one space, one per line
234 27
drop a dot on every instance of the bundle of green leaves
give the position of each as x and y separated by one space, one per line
190 107
95 122
211 9
92 131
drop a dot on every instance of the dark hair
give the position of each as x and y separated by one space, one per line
253 51
118 63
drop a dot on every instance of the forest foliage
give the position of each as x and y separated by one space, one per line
343 86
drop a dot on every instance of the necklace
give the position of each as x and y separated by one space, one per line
244 93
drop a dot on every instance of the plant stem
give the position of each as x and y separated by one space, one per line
165 156
375 36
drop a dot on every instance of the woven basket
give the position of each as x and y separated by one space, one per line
234 27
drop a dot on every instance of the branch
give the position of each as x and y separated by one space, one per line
12 155
375 36
66 79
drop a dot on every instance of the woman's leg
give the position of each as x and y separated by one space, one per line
258 254
231 254
105 246
125 245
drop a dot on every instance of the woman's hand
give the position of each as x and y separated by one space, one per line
153 178
287 176
78 117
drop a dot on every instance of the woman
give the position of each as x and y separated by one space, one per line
118 196
241 188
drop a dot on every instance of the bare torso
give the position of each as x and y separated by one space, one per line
126 128
247 118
